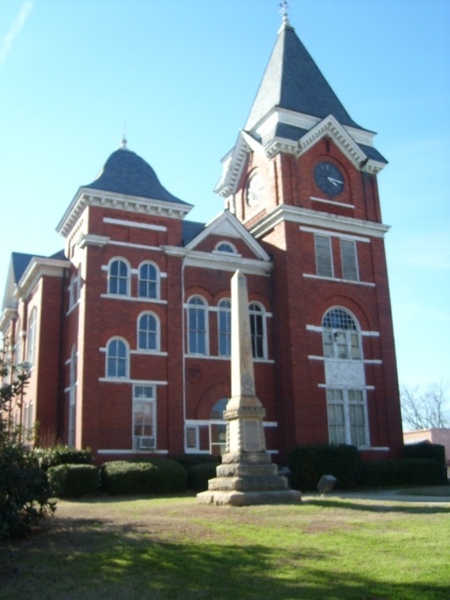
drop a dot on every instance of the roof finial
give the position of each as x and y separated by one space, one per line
284 12
124 141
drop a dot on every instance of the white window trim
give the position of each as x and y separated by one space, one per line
108 267
345 205
134 224
153 402
158 280
264 315
125 377
346 404
338 280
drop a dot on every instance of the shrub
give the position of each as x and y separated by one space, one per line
308 463
412 471
73 481
154 476
61 455
200 474
24 490
431 451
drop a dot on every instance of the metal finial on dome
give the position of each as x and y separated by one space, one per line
124 141
284 12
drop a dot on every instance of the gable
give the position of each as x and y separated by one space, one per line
226 226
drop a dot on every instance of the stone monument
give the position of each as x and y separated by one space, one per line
246 475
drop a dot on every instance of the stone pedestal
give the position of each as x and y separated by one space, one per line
246 475
246 478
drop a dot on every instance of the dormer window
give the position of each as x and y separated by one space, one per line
226 247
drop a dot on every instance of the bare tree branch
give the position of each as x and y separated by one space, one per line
425 409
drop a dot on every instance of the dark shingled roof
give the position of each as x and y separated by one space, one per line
293 81
127 173
20 261
290 132
190 230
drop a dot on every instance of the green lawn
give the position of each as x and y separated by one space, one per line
174 548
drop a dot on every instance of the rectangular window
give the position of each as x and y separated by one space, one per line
349 260
324 259
224 318
346 411
356 417
336 416
144 417
197 330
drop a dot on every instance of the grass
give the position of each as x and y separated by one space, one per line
173 548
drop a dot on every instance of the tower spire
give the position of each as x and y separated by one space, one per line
284 6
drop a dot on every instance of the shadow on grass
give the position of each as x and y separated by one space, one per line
382 506
97 559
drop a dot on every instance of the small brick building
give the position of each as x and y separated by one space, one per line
127 330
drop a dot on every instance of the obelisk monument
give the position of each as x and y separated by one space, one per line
246 475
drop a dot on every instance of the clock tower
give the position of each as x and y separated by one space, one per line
302 178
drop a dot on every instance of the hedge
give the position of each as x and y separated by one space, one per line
411 471
154 476
431 451
200 474
73 481
61 455
307 464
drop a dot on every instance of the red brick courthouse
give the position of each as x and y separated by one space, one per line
127 330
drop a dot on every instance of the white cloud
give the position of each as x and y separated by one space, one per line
14 30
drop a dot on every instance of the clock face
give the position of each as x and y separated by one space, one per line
255 188
328 178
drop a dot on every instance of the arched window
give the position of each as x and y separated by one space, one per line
148 332
197 326
31 336
118 278
116 358
258 330
345 388
224 327
226 247
148 286
341 336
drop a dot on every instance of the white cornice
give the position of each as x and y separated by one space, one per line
37 268
90 239
8 315
346 138
305 216
220 262
303 121
88 197
332 128
230 263
233 164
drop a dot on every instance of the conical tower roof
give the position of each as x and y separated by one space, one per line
293 81
127 173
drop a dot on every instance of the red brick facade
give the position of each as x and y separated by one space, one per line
101 379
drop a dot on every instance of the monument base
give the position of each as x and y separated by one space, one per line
247 478
235 498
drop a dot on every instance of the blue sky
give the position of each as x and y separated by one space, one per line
180 76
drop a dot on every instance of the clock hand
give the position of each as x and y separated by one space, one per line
334 181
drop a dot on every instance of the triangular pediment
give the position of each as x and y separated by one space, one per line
227 226
330 127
